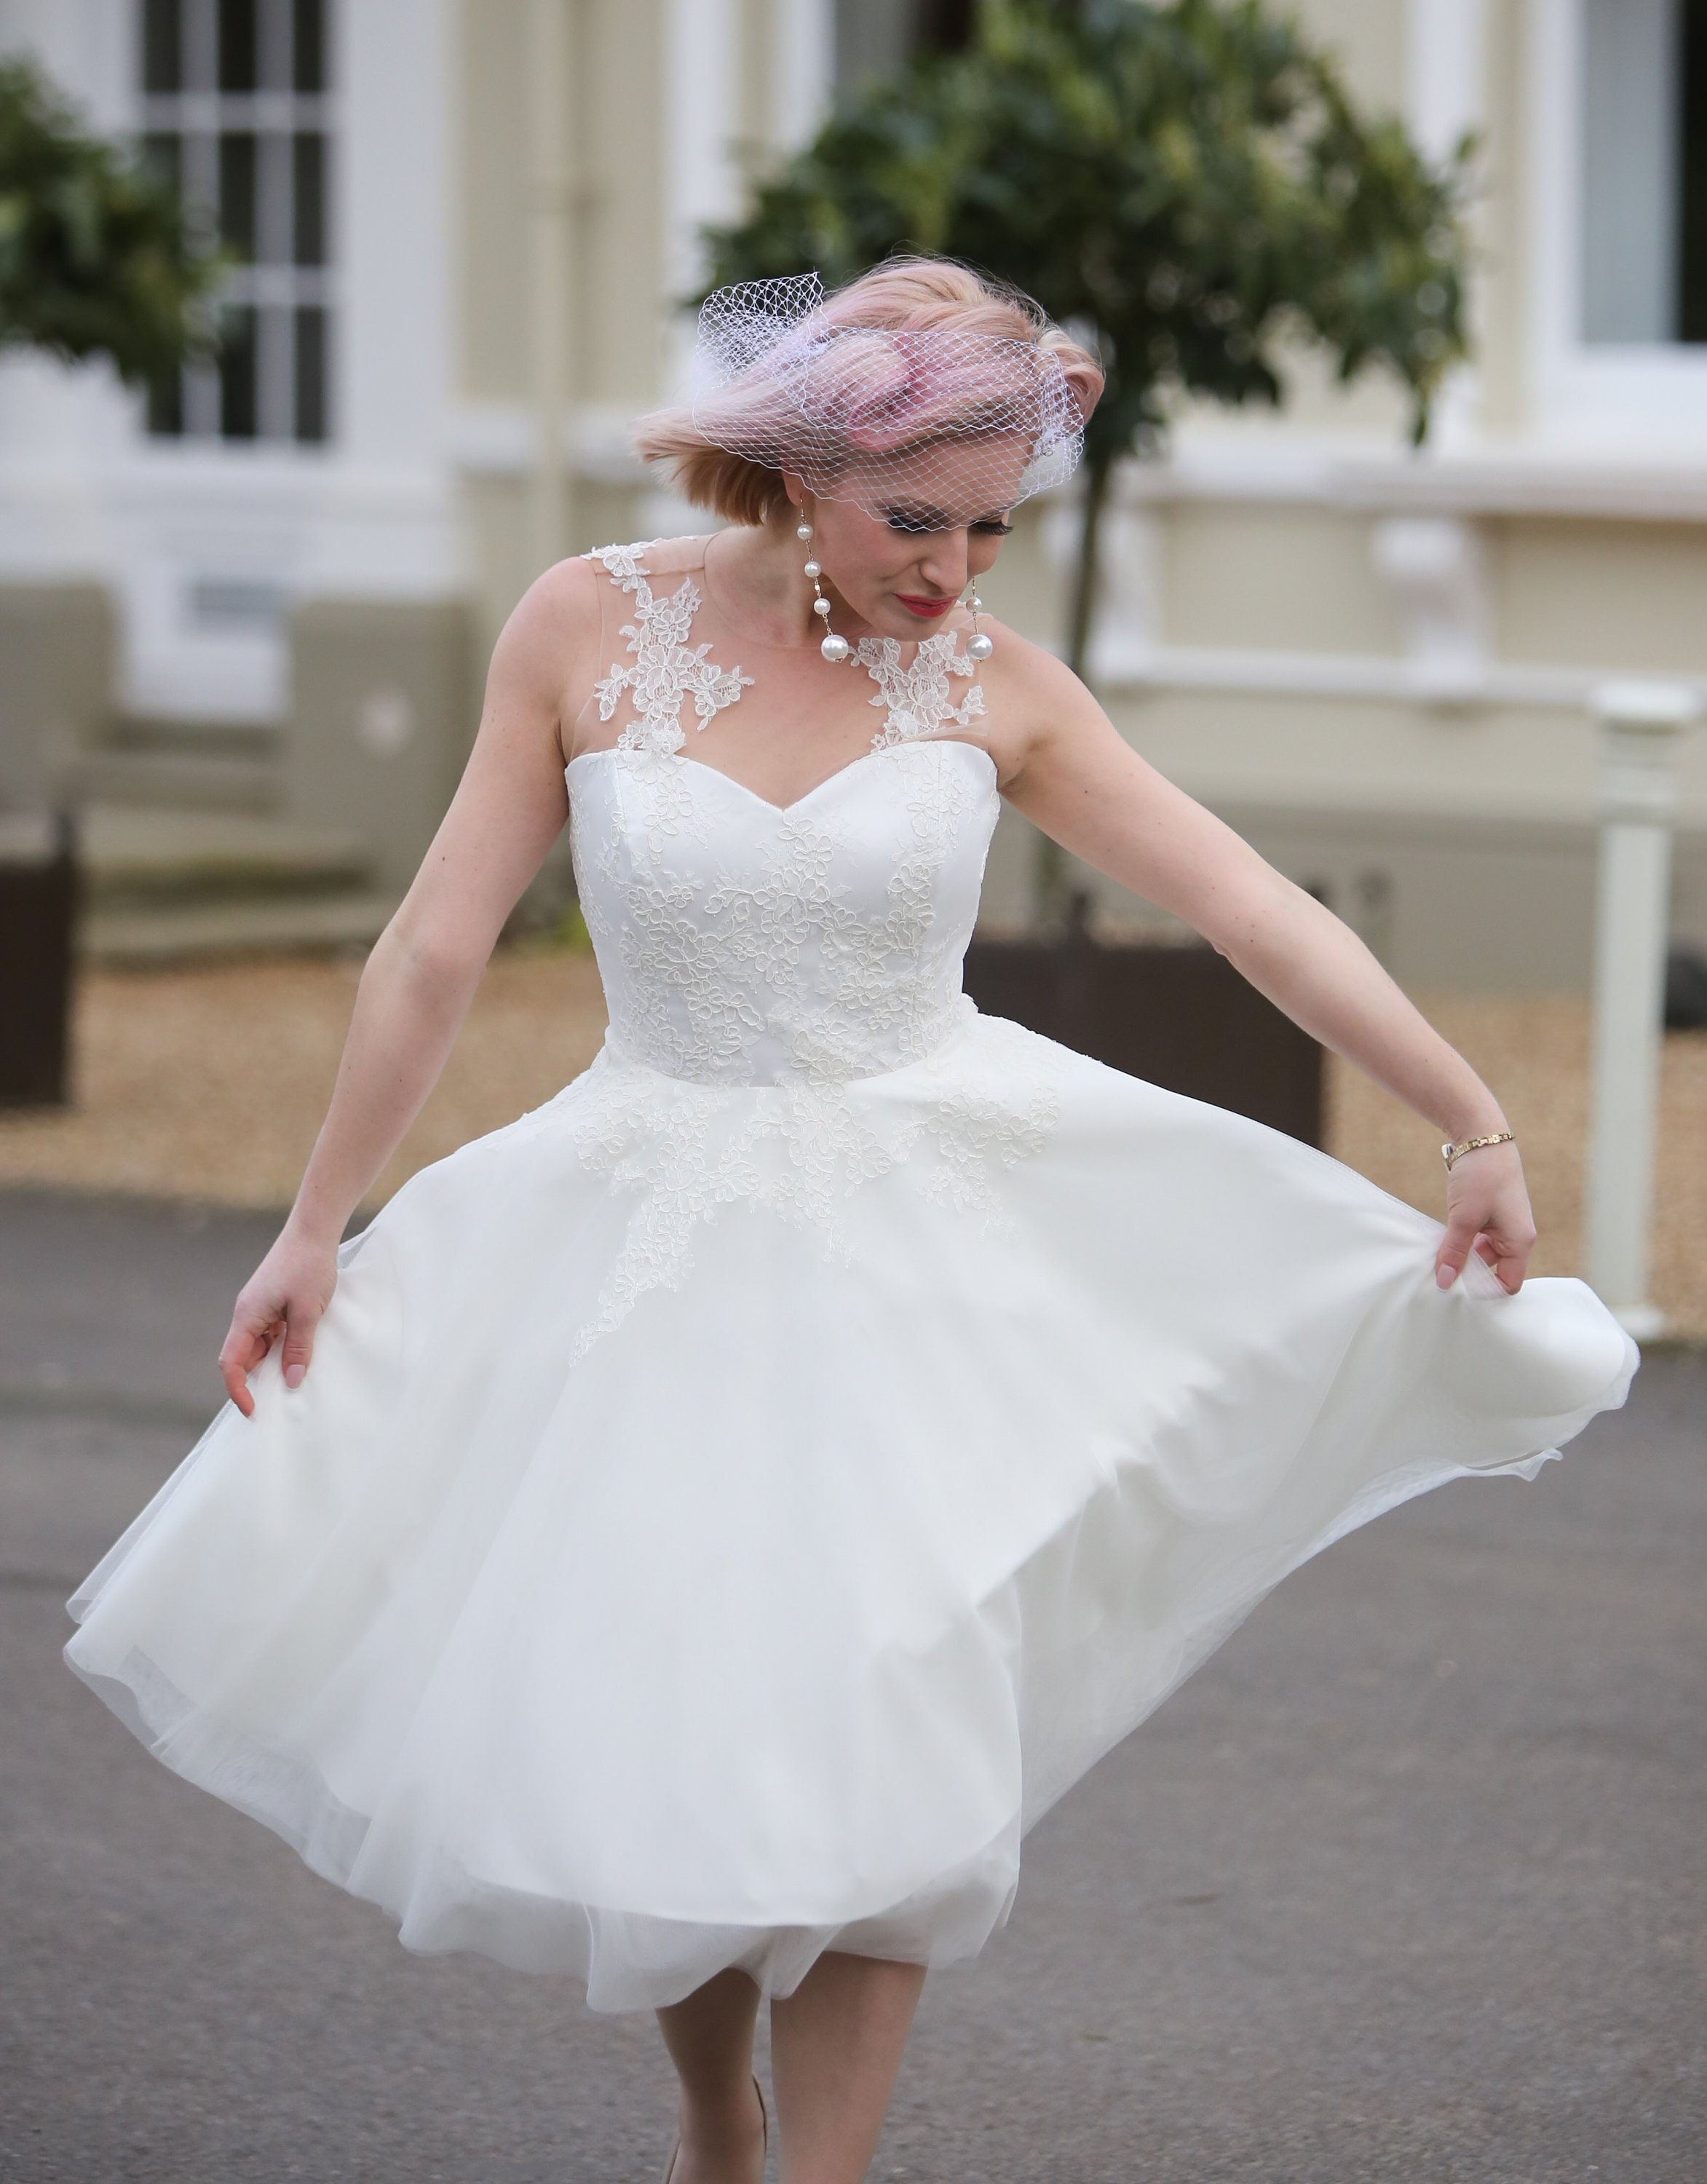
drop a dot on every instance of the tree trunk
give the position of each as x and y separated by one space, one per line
1050 905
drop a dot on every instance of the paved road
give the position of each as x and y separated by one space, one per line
1407 1883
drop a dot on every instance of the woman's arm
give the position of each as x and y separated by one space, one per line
1081 782
422 973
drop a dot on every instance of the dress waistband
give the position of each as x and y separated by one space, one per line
952 1023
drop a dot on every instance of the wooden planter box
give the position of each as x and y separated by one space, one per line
38 908
1178 1016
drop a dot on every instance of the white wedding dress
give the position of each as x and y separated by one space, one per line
728 1506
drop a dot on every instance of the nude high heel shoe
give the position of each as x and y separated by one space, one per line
763 2123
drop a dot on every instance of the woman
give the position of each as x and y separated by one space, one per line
690 1535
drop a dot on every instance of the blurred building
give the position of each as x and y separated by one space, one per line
250 626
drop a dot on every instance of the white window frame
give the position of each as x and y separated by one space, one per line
197 119
1636 395
208 543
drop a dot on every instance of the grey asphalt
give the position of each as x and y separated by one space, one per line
1407 1883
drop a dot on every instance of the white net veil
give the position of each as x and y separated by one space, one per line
931 426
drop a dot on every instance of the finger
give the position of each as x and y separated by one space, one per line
1454 1250
299 1342
244 1348
1511 1264
238 1358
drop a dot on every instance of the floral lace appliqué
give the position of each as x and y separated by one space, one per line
801 1152
918 698
666 668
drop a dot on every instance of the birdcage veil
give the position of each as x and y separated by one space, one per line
853 408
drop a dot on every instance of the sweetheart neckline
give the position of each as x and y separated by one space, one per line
782 810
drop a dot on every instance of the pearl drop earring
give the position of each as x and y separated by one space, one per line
978 646
834 649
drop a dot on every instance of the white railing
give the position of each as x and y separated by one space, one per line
1642 725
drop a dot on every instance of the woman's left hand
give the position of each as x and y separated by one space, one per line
1487 1211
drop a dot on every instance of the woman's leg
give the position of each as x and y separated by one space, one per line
710 2036
836 2045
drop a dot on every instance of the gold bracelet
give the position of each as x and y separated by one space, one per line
1450 1153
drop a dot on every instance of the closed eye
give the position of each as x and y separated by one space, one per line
933 519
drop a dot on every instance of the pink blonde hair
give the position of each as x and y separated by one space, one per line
911 295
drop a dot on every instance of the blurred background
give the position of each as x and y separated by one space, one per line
245 609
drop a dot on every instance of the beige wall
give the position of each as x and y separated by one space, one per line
57 643
1295 579
493 238
1367 36
1625 595
610 103
621 308
382 704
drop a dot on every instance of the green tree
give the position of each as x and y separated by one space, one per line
1192 185
95 256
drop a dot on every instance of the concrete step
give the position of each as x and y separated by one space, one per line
157 856
152 731
161 884
218 766
129 934
111 773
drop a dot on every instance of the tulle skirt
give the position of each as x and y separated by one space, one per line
718 1522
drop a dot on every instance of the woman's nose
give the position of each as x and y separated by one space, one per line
944 564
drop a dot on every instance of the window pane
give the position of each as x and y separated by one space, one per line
944 26
163 50
275 374
310 44
1691 265
311 373
237 192
238 408
239 46
1630 170
311 199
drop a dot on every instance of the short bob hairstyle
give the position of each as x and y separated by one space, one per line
903 295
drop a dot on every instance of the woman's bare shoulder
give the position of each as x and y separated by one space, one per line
1031 692
1026 672
556 620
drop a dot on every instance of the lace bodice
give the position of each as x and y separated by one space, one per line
787 1022
740 942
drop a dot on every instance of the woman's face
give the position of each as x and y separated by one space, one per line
942 516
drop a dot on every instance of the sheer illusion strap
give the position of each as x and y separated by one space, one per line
663 668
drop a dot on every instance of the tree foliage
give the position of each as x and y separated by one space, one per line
95 258
1190 185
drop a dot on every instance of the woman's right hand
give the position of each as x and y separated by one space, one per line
284 1300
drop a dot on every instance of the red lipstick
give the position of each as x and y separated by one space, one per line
927 609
